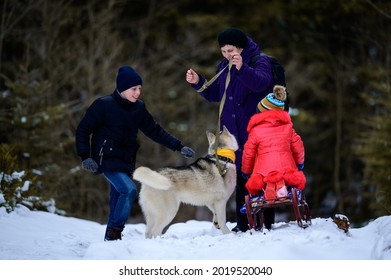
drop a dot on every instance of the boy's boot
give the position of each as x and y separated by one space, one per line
113 233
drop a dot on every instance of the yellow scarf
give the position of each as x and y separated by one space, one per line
224 152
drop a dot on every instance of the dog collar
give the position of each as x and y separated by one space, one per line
227 153
220 157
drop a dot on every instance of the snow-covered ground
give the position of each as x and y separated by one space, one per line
29 235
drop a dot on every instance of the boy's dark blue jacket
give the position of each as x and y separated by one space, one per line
113 123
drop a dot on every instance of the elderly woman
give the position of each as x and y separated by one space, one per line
250 80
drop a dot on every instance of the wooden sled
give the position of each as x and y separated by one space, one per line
299 205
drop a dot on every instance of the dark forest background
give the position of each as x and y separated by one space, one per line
58 56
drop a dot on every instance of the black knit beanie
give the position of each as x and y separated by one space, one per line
127 77
232 36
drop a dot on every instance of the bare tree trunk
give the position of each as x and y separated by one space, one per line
338 136
2 32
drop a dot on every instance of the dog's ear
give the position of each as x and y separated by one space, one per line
211 137
225 129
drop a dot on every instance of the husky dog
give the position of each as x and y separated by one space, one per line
199 184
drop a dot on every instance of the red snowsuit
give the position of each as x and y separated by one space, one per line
272 152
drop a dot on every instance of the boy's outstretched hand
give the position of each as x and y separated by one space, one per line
187 152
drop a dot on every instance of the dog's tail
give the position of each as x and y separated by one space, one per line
151 178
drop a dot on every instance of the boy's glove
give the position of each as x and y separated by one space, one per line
187 152
90 165
300 166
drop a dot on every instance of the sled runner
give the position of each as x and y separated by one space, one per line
295 198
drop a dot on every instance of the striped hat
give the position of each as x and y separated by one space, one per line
274 100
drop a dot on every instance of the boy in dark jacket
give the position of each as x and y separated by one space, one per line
106 143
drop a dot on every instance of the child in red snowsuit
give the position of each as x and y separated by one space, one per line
274 153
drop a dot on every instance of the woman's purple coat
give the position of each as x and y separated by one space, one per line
246 88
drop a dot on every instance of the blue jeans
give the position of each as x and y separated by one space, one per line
122 194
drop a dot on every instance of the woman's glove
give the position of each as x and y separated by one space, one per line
187 152
90 165
246 176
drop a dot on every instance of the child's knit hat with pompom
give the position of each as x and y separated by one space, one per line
274 100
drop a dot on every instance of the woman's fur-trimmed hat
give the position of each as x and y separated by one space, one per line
232 36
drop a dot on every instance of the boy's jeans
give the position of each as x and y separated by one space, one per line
122 194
